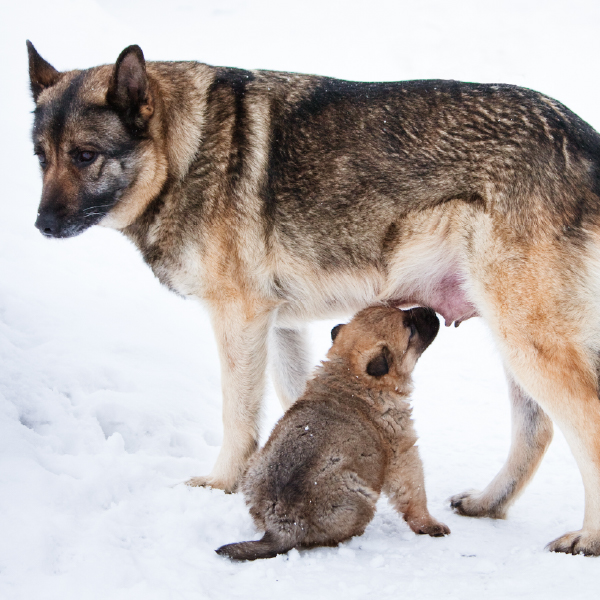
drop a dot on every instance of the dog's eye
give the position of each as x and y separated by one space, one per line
85 157
41 157
413 330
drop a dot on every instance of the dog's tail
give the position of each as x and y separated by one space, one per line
267 547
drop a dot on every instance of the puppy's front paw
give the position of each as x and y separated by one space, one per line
474 503
429 525
577 542
435 529
212 482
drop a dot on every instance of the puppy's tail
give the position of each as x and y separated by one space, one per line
267 547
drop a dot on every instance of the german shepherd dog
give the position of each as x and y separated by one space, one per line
349 437
276 198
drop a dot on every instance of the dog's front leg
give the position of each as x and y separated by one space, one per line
405 487
241 335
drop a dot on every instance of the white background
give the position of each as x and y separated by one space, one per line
109 384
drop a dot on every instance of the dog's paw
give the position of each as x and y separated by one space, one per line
577 542
473 503
434 529
212 482
428 525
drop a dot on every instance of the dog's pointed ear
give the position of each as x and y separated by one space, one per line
380 365
335 331
129 90
42 74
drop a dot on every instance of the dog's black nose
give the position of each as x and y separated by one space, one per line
48 224
427 324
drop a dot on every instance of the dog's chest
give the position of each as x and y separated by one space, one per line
392 415
183 273
175 260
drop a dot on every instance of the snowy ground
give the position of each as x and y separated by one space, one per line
109 384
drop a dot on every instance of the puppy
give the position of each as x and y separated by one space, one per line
348 438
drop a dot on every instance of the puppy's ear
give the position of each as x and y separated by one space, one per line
129 90
380 365
335 331
42 74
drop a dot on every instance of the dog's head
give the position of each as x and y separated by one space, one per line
382 344
96 141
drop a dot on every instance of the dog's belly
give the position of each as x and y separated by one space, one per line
443 291
445 296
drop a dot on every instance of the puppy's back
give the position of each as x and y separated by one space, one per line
319 440
317 480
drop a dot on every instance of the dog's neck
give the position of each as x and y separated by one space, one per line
335 376
181 90
179 93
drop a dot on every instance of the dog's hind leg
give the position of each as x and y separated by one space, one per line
531 435
563 382
543 317
288 354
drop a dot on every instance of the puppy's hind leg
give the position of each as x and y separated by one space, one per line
289 364
531 435
405 487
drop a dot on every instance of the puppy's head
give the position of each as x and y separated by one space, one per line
95 138
382 345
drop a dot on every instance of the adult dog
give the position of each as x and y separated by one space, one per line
276 198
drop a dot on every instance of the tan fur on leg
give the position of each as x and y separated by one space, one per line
243 352
405 487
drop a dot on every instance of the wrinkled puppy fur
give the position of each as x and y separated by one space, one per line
350 437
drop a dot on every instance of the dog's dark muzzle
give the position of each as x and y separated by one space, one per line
48 224
427 324
54 225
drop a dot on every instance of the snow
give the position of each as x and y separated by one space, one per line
109 384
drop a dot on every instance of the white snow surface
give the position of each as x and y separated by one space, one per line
110 386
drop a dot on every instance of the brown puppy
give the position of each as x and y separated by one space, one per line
318 478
